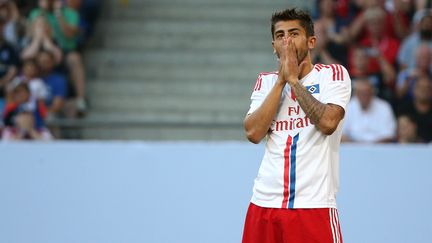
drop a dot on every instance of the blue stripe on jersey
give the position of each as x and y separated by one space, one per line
293 172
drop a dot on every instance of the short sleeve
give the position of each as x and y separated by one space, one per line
337 86
259 93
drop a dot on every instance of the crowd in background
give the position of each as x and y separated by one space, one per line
385 44
387 47
42 74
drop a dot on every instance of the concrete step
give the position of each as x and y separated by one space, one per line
181 103
201 11
227 27
144 3
139 87
152 116
182 57
178 74
187 42
163 133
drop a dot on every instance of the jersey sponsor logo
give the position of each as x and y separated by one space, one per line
294 121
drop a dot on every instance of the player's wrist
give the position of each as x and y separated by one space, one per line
292 81
281 81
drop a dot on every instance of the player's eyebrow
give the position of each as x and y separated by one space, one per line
293 29
289 31
278 31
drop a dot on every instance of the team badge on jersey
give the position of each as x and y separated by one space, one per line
313 89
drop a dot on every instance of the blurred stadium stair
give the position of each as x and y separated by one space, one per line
177 69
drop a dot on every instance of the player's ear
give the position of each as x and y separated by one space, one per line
273 46
311 42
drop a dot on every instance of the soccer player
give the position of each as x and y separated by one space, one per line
299 109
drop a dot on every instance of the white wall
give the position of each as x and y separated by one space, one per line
192 192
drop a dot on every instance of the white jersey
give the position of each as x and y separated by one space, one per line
300 168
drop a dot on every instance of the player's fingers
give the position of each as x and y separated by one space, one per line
291 50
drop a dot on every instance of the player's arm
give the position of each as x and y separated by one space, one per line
326 117
257 124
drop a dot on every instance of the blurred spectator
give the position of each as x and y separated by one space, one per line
25 6
15 25
407 77
401 12
382 80
406 55
89 13
420 108
8 63
64 22
31 76
40 39
332 34
379 43
407 130
368 119
55 82
396 23
23 117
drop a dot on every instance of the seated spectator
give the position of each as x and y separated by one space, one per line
64 22
8 63
31 76
396 22
420 108
369 119
15 25
40 39
89 13
24 117
407 130
381 45
406 55
55 82
382 80
407 77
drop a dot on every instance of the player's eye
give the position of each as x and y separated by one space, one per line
279 36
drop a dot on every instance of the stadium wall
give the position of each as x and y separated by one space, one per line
69 192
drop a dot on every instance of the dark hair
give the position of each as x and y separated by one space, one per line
293 14
21 86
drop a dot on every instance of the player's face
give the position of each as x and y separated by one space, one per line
292 30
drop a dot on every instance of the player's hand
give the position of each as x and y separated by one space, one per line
289 67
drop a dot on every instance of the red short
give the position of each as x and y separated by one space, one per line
279 225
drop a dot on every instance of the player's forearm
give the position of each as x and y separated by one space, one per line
258 123
315 110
